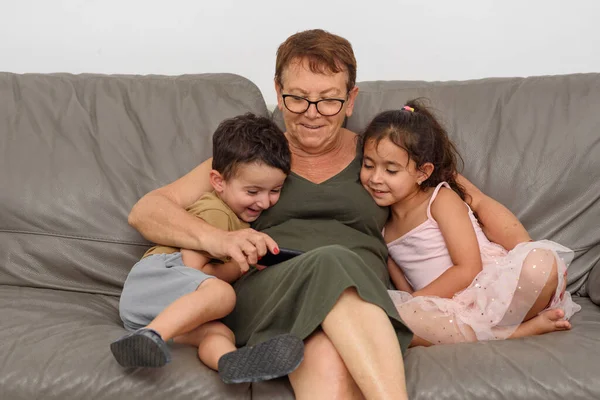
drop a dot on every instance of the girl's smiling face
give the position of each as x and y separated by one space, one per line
387 172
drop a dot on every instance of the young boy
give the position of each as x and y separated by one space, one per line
172 294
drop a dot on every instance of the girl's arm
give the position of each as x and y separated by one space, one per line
499 224
398 277
161 217
452 216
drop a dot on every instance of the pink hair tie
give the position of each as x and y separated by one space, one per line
407 108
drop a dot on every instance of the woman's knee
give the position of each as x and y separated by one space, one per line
333 256
320 348
334 251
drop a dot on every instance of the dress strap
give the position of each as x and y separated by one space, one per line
434 195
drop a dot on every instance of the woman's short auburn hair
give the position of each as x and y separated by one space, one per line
325 52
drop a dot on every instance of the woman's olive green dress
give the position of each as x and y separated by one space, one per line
339 226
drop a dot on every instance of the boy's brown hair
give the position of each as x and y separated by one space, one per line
249 139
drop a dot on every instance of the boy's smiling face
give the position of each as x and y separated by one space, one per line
252 188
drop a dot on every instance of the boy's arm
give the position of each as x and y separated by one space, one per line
398 277
161 217
452 217
194 259
228 272
499 224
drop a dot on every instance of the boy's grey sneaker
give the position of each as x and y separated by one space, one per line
278 356
142 348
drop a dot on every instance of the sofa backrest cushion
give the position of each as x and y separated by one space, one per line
531 143
77 151
593 285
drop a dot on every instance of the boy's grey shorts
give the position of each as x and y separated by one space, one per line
153 283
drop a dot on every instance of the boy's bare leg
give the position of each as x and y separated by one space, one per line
214 299
213 340
147 347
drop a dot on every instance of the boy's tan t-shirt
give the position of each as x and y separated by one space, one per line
215 212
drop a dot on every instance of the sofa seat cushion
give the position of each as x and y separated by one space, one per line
561 365
55 346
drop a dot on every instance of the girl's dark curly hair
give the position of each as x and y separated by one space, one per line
415 129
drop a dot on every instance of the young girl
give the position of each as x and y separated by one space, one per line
454 284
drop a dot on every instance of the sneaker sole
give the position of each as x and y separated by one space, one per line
277 357
141 349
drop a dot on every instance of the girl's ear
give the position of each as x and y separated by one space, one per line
217 181
425 172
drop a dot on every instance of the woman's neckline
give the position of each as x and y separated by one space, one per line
352 145
333 177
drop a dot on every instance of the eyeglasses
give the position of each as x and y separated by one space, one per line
325 107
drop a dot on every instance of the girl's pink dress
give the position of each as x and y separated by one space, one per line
495 303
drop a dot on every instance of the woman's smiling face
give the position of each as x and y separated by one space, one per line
311 131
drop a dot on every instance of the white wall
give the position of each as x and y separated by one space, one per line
408 39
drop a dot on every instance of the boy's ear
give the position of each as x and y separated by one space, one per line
217 181
425 172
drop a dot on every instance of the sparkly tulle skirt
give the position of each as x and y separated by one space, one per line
497 300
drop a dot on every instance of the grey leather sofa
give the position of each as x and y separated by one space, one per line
77 151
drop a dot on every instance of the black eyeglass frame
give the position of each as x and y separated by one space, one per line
316 103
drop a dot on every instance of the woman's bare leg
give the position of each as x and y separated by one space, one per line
323 374
367 343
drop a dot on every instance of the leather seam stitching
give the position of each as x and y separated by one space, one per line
90 238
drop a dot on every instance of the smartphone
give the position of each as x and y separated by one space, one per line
284 254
